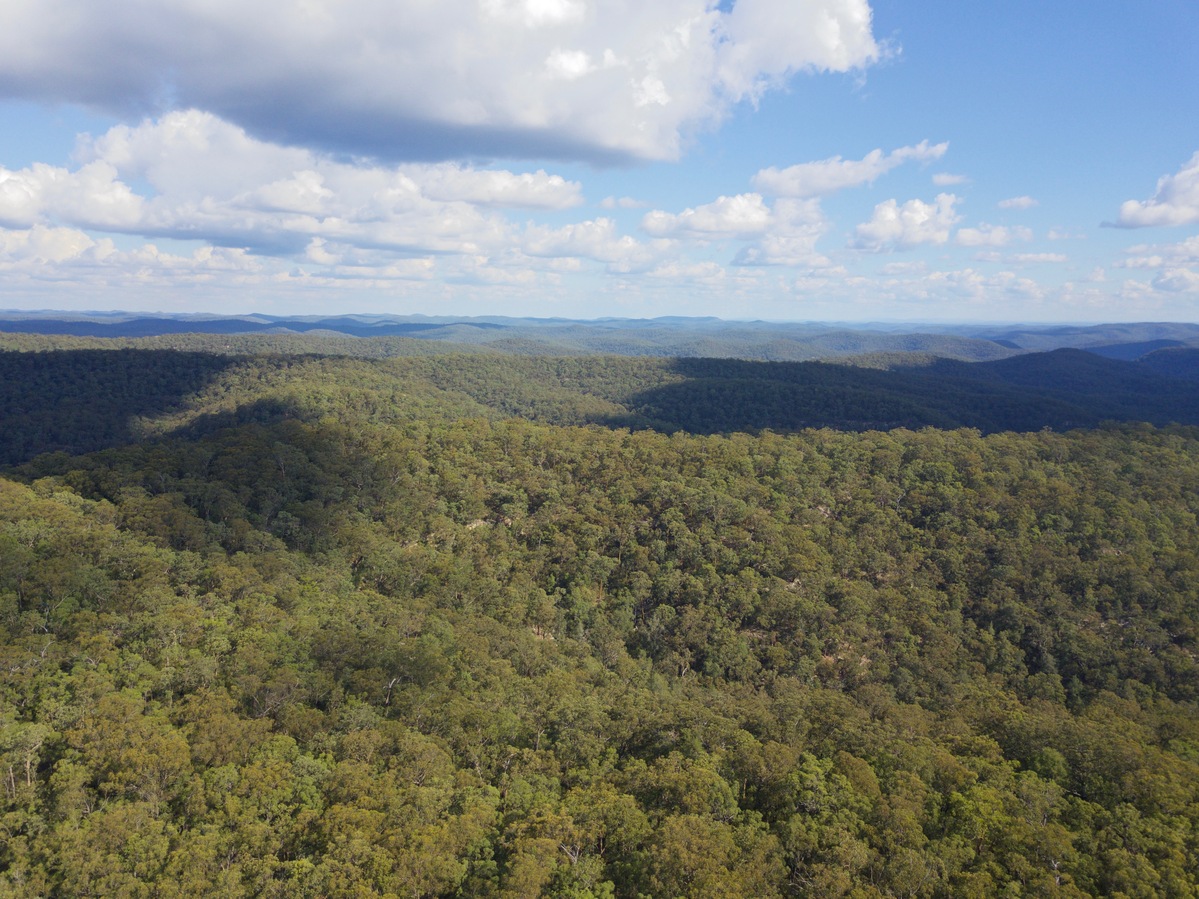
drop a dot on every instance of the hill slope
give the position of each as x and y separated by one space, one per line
80 400
441 657
432 626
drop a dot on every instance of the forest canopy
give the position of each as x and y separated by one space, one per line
477 626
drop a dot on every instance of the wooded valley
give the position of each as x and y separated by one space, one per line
471 625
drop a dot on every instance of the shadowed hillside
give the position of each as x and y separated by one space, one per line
83 400
1179 362
1063 389
80 400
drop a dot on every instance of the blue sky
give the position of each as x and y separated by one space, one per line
775 159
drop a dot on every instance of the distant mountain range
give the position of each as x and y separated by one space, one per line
671 336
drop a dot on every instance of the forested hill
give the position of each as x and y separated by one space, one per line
84 399
474 626
671 337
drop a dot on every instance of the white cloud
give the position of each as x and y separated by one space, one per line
1185 252
1177 280
740 216
534 13
40 245
1038 258
900 227
979 287
193 155
347 260
1142 262
904 268
791 239
991 236
303 192
1175 263
622 203
59 254
209 180
1020 258
1176 201
580 79
945 179
92 193
483 270
782 234
815 179
674 272
569 64
597 240
1018 203
763 41
527 190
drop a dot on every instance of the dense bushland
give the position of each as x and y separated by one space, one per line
320 627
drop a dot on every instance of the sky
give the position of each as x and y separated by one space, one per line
791 160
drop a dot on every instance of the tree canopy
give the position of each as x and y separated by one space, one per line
307 626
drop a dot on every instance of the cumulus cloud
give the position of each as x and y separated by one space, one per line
782 233
1177 280
1176 201
785 232
900 227
1142 262
743 215
1176 264
977 286
815 179
40 245
68 255
765 40
579 79
1184 252
791 240
525 190
274 199
597 240
1018 203
92 192
991 236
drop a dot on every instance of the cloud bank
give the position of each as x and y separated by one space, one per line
270 198
568 79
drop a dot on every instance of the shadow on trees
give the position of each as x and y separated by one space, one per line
78 401
1059 390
